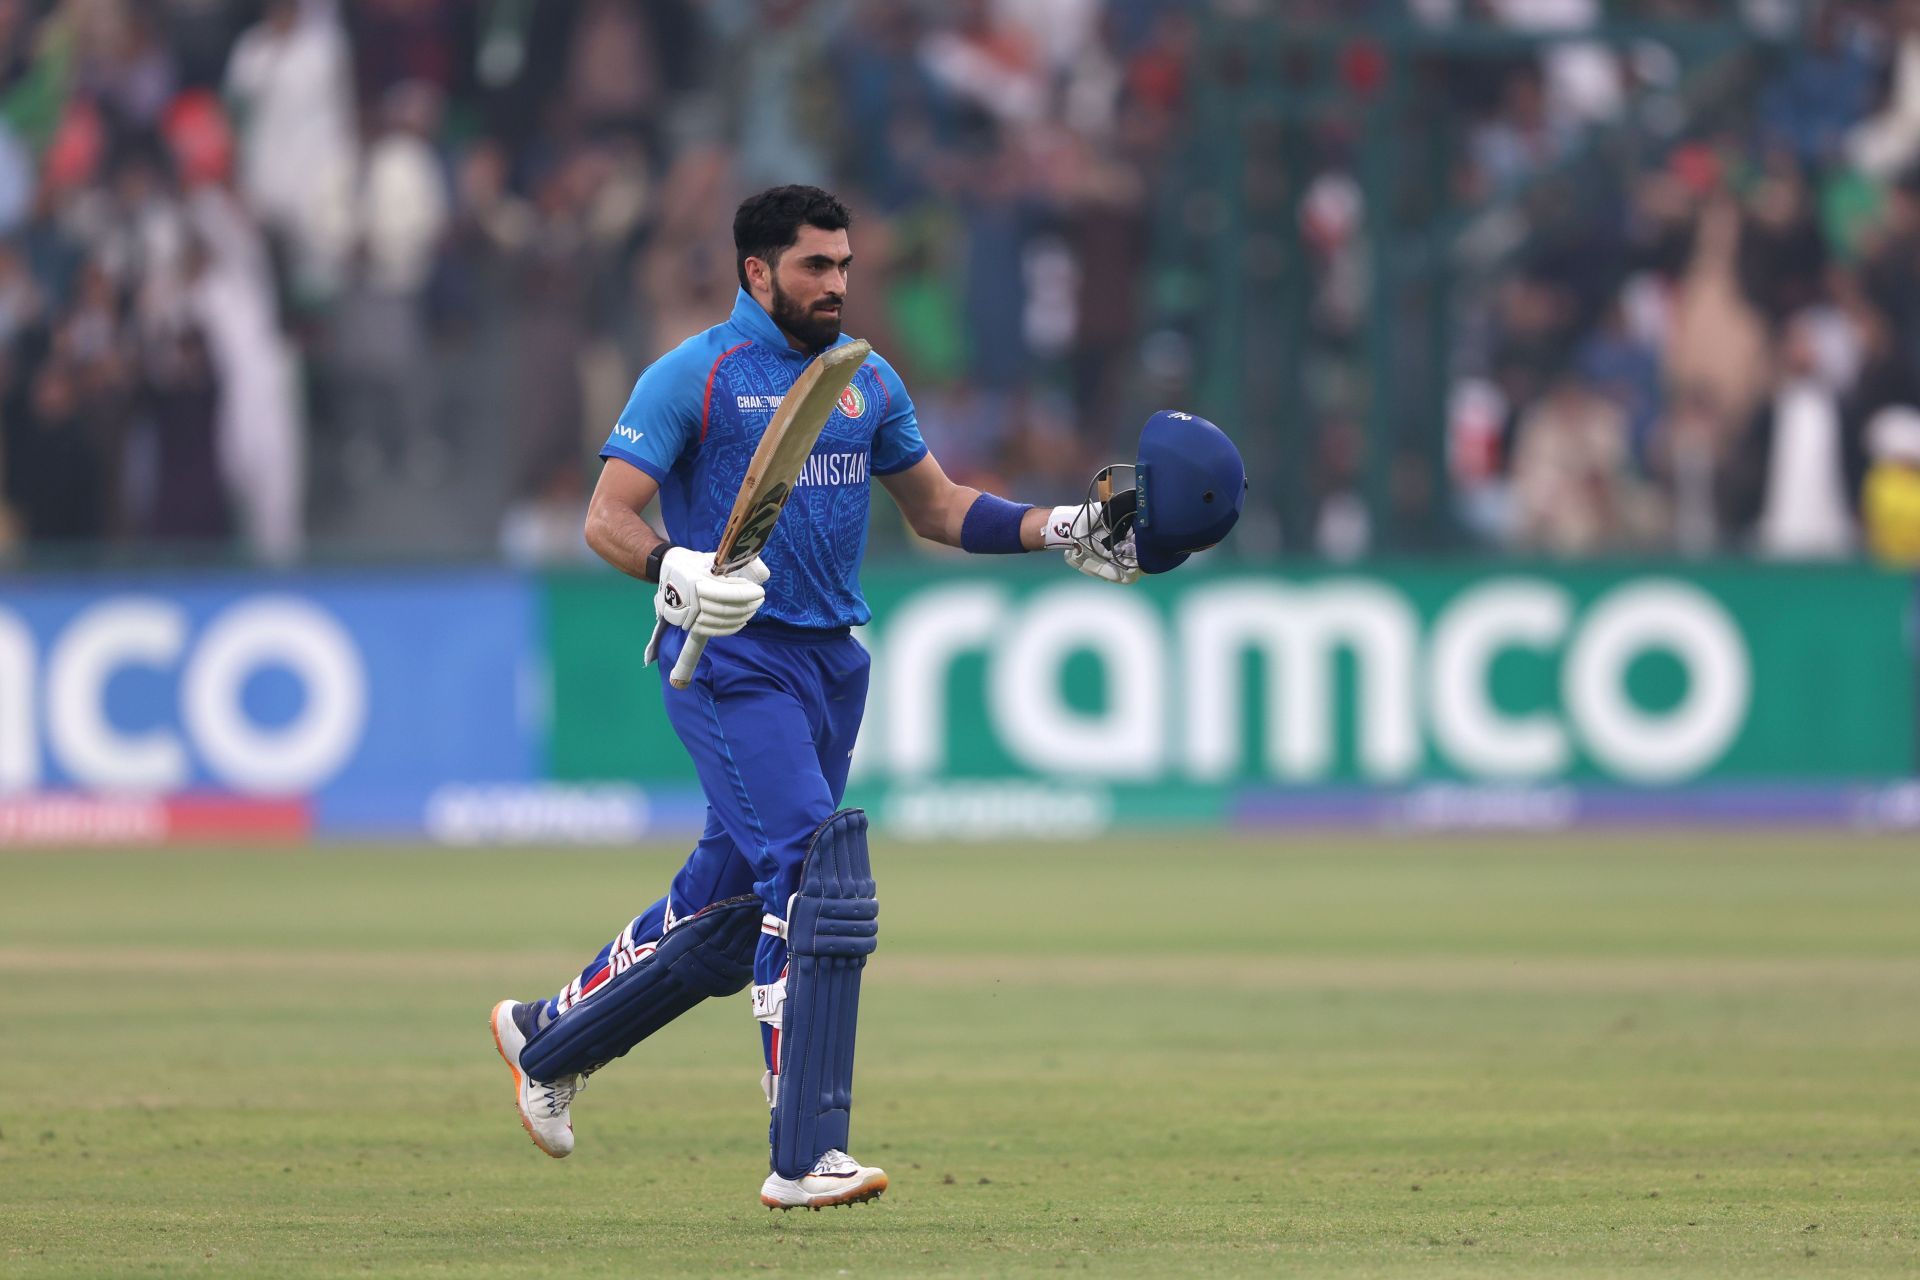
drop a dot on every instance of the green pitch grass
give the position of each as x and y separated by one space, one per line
1199 1055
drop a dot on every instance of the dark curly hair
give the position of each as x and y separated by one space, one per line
766 225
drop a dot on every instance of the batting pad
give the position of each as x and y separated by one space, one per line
708 954
833 925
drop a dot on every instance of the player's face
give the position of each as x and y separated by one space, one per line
810 286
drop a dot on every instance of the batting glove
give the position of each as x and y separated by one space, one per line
1080 532
702 603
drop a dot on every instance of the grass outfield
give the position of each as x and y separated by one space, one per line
1684 1056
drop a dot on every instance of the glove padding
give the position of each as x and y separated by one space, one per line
1077 529
702 603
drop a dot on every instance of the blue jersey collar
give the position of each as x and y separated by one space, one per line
752 320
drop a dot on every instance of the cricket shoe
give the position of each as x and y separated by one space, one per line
835 1179
543 1105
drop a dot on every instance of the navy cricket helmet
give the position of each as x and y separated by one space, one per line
1192 484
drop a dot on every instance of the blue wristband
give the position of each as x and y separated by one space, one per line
992 527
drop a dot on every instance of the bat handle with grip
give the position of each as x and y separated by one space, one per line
689 659
728 562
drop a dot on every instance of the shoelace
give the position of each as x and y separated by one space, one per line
558 1096
835 1162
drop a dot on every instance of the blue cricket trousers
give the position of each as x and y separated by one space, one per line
770 721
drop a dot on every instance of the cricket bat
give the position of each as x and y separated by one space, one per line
775 467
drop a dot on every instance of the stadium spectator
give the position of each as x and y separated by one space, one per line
185 501
53 466
1892 497
290 80
1575 489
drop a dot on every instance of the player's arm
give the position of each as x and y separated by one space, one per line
691 596
662 420
936 506
616 529
956 515
959 515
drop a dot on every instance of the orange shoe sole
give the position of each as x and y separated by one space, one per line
493 1025
859 1195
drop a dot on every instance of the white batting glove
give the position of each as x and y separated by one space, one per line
1072 529
702 603
1097 564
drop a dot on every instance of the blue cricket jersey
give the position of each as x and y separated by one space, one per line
698 413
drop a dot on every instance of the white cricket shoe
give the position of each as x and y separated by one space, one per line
543 1106
836 1179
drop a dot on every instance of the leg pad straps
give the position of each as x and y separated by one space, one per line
709 953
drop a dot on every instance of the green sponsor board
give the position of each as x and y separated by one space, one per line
606 720
998 686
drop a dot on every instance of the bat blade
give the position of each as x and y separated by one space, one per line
775 469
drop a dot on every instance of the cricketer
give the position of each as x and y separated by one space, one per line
778 892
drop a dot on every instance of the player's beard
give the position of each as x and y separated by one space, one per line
816 331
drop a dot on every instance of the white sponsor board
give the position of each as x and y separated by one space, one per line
1177 686
538 813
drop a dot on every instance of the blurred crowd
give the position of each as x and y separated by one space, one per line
295 277
1723 359
285 278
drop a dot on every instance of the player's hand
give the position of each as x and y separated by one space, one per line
1071 523
1080 530
1095 563
700 602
